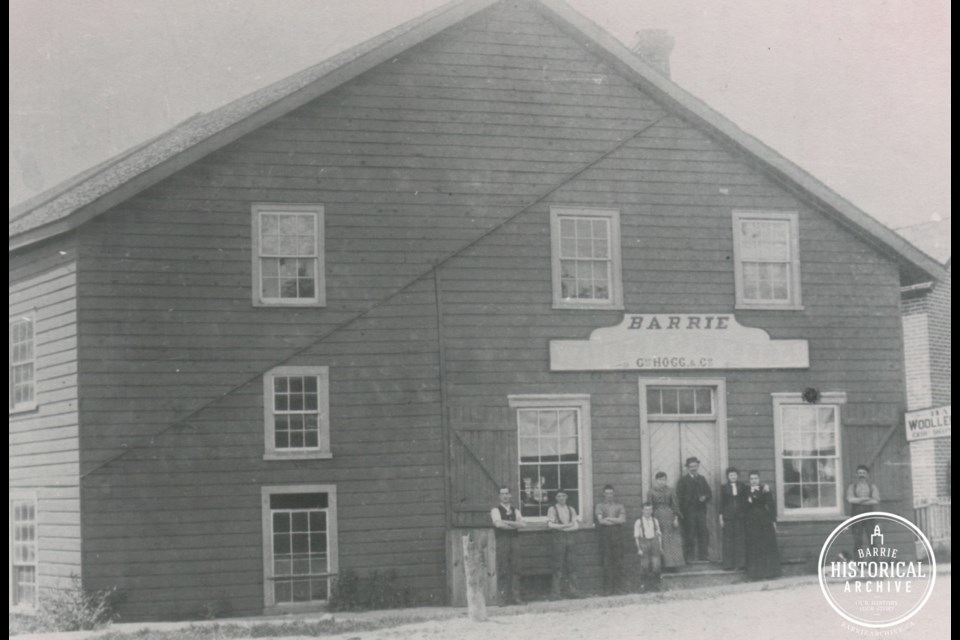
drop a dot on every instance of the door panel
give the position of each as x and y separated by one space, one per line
665 450
671 443
699 439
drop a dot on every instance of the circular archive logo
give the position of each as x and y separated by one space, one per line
886 579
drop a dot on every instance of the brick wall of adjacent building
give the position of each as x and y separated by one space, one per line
927 355
916 353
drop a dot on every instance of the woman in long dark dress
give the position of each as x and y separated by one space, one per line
732 499
666 510
760 531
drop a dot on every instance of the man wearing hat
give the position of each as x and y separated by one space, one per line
693 494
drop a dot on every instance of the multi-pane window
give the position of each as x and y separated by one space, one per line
300 544
288 263
674 401
767 265
808 456
23 521
552 433
586 258
296 402
23 372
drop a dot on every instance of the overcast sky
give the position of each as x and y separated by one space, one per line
857 92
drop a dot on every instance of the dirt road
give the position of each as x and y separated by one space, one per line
798 613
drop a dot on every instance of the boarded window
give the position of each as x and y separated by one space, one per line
288 264
22 364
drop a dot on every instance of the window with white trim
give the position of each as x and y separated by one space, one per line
553 441
585 254
767 259
23 364
288 255
300 543
296 412
23 557
808 440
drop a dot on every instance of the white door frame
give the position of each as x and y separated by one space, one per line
719 386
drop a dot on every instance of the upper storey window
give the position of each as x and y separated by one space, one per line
767 266
288 263
586 258
23 367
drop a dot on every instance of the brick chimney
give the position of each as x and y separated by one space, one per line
654 47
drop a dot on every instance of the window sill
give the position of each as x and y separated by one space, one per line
272 305
567 306
811 517
749 306
537 527
298 455
24 408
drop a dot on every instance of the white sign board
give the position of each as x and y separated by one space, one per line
928 423
678 341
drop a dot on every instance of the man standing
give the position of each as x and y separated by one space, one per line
693 493
611 517
562 519
863 497
507 523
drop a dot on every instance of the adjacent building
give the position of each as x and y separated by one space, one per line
927 353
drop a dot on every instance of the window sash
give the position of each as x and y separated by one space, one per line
809 456
23 558
304 413
767 261
585 258
289 580
288 255
22 364
581 257
292 427
299 544
552 444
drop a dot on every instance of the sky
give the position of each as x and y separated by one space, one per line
856 92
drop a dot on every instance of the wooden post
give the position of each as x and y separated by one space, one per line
476 573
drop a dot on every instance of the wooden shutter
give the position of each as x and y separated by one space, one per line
483 451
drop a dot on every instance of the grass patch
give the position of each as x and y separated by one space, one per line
21 624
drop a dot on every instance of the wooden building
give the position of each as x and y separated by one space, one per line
313 330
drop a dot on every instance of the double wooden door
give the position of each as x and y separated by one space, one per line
685 425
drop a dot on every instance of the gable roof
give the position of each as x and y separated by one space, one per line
92 192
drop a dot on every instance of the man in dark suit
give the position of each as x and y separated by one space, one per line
693 493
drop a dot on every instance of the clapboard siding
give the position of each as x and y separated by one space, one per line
43 444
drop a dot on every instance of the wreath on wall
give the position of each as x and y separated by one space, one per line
811 395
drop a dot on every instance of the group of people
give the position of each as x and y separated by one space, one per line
672 530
